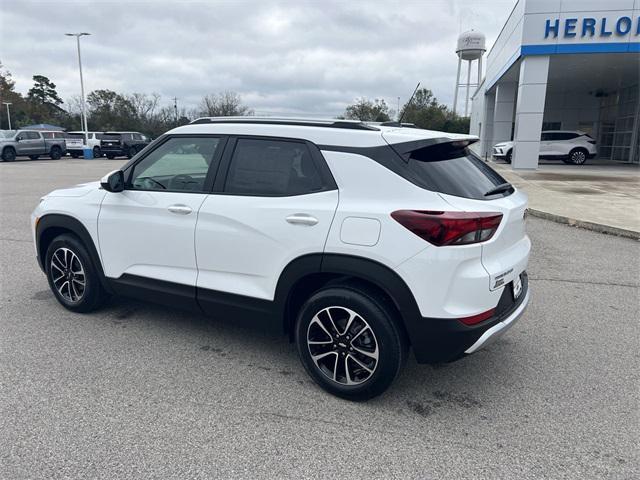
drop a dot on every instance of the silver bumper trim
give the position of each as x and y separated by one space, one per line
499 328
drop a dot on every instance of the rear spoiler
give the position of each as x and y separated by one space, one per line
405 149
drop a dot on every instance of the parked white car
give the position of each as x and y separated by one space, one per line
358 241
75 143
572 147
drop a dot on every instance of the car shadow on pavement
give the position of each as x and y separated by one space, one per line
421 390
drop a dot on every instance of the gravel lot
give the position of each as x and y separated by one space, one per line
141 391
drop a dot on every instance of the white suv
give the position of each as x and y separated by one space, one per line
570 147
357 240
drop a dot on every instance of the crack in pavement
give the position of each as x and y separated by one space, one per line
15 240
585 282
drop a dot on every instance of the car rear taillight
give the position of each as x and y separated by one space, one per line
449 228
481 317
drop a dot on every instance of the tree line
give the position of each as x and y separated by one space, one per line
108 110
423 110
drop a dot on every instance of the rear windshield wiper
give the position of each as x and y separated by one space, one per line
503 187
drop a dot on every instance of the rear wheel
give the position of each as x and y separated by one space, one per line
9 154
55 153
578 156
131 152
507 158
349 342
72 276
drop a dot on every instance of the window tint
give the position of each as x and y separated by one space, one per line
443 169
272 168
568 136
179 164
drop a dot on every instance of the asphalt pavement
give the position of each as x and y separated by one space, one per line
140 391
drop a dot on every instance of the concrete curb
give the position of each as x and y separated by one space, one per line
595 227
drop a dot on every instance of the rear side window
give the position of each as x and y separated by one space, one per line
454 171
272 168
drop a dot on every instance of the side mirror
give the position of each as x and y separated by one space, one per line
113 182
18 138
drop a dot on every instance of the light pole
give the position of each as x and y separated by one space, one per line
84 115
8 113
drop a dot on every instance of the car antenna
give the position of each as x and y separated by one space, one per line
408 103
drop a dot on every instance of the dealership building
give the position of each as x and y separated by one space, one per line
563 65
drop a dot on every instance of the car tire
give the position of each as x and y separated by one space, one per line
97 153
131 152
55 153
110 156
9 154
578 156
355 359
507 157
72 275
34 157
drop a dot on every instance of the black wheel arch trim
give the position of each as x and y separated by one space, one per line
75 226
347 266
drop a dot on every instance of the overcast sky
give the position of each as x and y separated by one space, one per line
296 57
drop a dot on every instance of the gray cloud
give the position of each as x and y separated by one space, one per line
301 57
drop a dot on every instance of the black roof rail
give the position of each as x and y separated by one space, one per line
398 124
301 122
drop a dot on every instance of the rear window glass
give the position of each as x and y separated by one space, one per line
458 172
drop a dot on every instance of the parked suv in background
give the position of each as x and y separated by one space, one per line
357 240
118 144
31 143
75 143
569 146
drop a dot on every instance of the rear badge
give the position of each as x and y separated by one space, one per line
517 287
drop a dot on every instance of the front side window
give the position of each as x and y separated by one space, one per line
272 168
32 135
179 164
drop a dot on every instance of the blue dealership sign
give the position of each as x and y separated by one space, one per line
591 27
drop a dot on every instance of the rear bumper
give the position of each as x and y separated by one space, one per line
439 340
114 150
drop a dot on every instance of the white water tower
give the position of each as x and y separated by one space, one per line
471 46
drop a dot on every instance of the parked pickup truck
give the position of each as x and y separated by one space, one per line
31 143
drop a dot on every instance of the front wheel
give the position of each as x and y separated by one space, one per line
507 158
55 153
8 154
72 276
349 342
578 156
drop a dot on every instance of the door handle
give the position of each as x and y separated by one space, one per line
302 219
180 209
